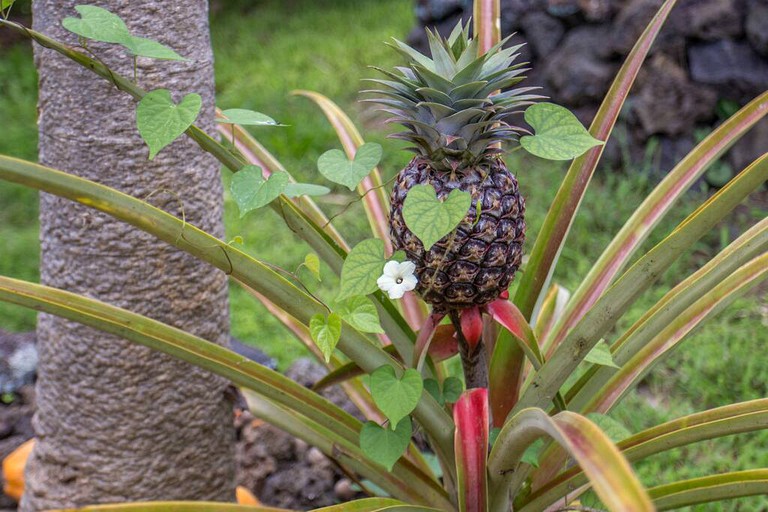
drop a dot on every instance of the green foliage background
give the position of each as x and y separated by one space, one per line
265 49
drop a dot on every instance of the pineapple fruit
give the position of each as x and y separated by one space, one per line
456 120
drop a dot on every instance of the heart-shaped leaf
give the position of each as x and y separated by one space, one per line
362 267
433 388
559 135
97 24
312 262
452 389
601 354
252 191
431 219
246 117
305 189
160 121
384 445
360 313
325 332
396 398
143 47
335 165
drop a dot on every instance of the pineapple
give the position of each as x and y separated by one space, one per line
455 119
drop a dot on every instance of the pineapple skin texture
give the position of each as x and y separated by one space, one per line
475 263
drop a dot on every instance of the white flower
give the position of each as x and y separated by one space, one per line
398 278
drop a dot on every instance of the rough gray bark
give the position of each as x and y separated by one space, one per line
115 421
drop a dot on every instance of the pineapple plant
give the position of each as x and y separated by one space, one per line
456 112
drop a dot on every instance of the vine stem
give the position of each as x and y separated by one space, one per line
474 361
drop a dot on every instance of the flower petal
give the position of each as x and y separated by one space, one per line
409 282
396 292
386 282
391 269
407 268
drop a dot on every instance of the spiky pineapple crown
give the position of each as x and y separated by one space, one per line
447 103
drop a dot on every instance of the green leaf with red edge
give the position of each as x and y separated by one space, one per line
607 469
424 338
470 414
557 223
509 316
668 336
444 343
550 312
636 230
722 421
486 27
178 505
471 321
749 245
375 195
609 308
505 376
592 391
709 489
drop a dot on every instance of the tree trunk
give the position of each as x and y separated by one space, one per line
115 421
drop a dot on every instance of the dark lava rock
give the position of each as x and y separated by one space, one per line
732 66
668 102
630 23
578 70
707 20
428 11
252 353
542 32
709 47
757 27
306 372
18 360
563 8
750 146
596 10
284 471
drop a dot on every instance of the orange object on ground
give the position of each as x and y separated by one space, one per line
13 470
246 497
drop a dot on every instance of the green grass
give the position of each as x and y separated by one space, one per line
265 49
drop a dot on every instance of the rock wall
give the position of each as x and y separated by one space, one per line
710 58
